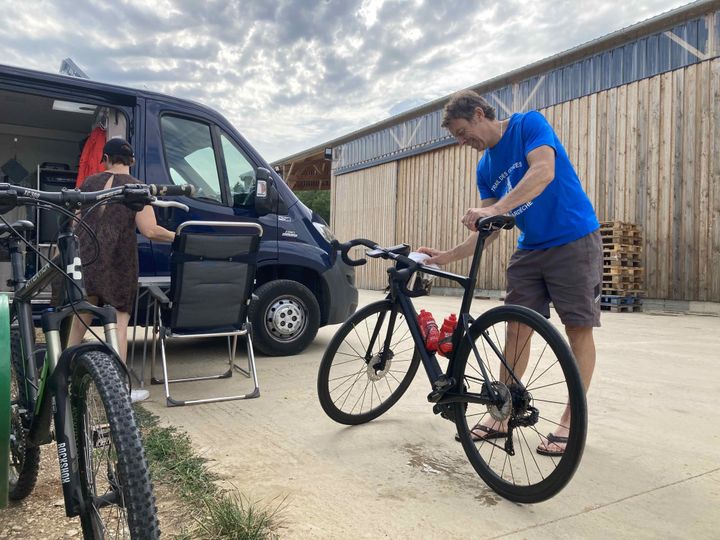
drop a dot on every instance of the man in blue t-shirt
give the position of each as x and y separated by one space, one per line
525 172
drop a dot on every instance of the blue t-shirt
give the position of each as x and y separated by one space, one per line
562 212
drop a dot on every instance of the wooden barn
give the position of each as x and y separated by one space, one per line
638 112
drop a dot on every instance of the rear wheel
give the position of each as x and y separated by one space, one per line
24 461
540 398
114 477
359 378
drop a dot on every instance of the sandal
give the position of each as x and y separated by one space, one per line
544 449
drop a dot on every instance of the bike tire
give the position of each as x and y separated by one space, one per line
106 428
340 400
550 384
25 462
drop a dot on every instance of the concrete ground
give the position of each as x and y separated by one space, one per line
651 467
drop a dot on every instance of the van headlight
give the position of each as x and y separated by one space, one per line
324 231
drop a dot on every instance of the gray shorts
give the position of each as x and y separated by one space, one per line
569 276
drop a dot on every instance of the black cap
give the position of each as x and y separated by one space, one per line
117 146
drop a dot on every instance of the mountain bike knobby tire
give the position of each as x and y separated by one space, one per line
550 383
106 429
350 388
25 462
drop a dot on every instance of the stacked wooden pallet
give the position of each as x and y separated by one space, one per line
623 283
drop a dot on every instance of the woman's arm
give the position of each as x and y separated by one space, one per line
148 227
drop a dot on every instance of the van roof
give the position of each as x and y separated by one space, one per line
67 82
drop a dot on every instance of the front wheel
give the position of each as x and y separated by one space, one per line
285 317
527 443
24 461
114 477
363 373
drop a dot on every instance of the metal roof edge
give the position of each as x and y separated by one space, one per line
67 81
645 27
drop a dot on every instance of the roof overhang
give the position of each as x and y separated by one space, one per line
309 171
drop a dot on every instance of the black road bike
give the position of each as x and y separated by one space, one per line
509 381
83 389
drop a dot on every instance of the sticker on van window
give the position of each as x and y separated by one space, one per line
290 234
287 219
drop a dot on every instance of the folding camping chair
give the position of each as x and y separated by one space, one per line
211 282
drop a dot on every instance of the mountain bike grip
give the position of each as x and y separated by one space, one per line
171 191
493 223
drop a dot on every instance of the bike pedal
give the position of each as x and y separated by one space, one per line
444 410
434 396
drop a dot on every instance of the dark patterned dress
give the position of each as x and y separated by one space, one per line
113 276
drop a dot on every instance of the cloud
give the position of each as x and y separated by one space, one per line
292 74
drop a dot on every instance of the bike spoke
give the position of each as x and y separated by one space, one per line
361 379
532 400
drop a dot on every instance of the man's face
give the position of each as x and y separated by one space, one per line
476 132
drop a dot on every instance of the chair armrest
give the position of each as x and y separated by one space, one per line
157 293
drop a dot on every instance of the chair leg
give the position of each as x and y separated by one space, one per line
168 400
251 367
245 372
232 347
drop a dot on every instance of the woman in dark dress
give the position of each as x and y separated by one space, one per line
112 278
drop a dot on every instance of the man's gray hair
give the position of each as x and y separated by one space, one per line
462 104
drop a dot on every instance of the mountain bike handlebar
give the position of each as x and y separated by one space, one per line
133 195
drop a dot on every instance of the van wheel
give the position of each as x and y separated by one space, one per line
285 318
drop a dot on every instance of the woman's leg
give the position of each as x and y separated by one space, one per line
122 326
81 324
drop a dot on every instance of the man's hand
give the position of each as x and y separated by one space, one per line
473 214
441 258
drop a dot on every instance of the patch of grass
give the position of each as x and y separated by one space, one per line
219 514
233 516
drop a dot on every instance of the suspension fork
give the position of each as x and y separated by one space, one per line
23 314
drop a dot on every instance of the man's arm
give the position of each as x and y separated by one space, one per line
540 173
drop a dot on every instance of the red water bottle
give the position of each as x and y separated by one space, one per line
429 330
445 346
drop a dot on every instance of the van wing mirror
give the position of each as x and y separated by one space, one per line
267 197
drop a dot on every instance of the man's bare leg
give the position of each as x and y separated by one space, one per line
517 354
583 348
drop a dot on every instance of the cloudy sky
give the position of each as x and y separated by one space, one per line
292 74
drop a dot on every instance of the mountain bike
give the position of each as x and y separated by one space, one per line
82 390
510 377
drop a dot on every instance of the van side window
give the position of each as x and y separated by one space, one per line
241 174
190 156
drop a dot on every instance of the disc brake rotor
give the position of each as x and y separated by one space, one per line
374 373
502 411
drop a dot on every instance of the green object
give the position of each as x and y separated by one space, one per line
5 374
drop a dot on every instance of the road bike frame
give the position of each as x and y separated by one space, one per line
445 390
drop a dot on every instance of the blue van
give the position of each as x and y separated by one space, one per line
45 120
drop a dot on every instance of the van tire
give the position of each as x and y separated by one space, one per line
285 318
